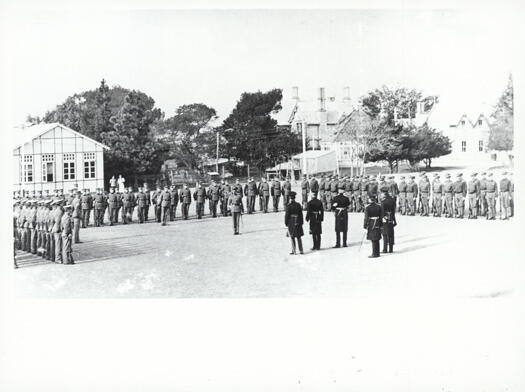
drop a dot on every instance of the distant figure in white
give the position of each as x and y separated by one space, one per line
113 182
121 182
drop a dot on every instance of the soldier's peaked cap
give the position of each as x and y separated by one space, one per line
483 173
292 194
490 174
474 174
459 175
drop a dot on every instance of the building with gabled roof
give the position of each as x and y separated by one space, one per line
50 156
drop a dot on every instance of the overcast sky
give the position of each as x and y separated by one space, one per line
182 57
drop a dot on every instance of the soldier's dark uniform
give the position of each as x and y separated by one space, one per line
276 194
250 191
492 194
473 191
174 196
349 192
424 191
99 204
505 188
412 192
356 199
437 196
460 191
340 204
148 201
315 215
200 199
322 191
388 207
393 189
373 223
113 205
264 193
185 199
382 185
226 191
237 208
165 204
214 197
314 185
293 219
305 190
67 234
87 202
155 199
142 201
287 188
128 201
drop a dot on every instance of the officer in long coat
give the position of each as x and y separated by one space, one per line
165 205
505 188
174 201
264 194
293 219
340 205
185 199
315 215
237 208
226 191
460 191
305 190
155 200
372 224
276 194
492 194
388 207
77 217
67 234
437 196
141 205
113 205
86 201
473 191
99 206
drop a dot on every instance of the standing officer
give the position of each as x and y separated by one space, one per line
314 185
33 227
86 201
214 197
155 199
315 215
57 232
448 194
504 193
287 188
293 219
340 204
185 198
148 201
221 196
393 188
113 205
77 216
372 224
424 190
402 187
99 205
356 186
238 186
364 193
388 210
437 196
67 232
483 194
276 194
165 204
322 190
174 196
382 187
411 196
142 200
473 190
250 191
226 191
305 190
334 186
237 208
264 194
349 192
129 204
492 194
200 197
511 193
460 191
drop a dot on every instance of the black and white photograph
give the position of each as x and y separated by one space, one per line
341 156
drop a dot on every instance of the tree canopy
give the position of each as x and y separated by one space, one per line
501 136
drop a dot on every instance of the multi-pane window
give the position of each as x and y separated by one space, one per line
27 172
69 166
89 165
480 122
463 122
463 146
48 167
480 146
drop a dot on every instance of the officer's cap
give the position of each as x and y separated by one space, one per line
292 194
474 174
372 198
68 206
490 174
484 173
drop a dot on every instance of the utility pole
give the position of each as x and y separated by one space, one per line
303 126
217 161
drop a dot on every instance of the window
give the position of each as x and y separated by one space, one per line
463 123
480 146
89 165
463 146
27 172
480 122
69 166
48 167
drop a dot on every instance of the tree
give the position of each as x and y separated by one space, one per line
383 101
252 135
424 144
189 135
501 136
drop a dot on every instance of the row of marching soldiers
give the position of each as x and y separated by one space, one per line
478 196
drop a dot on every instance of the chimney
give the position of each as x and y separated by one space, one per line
395 114
322 100
295 93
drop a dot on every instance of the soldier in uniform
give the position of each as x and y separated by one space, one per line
388 210
393 189
334 187
57 232
174 197
264 194
382 186
237 208
424 191
200 198
128 202
221 196
473 191
164 201
511 193
314 185
504 194
293 220
287 188
437 196
276 194
349 192
238 186
322 191
305 190
213 197
483 195
86 201
113 203
155 199
32 227
373 222
226 191
356 197
67 230
411 196
402 187
250 191
448 194
141 204
77 216
340 205
315 215
185 199
492 194
99 205
148 201
460 191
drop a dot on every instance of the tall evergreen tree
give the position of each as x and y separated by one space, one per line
501 135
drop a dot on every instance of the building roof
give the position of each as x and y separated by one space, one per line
442 115
24 135
313 154
358 122
309 110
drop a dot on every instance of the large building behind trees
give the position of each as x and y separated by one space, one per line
52 156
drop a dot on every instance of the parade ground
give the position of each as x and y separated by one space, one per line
434 257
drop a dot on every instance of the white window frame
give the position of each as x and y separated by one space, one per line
69 170
463 146
90 160
480 146
27 168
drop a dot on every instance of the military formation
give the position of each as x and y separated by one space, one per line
48 224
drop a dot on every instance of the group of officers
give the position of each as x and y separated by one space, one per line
48 224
